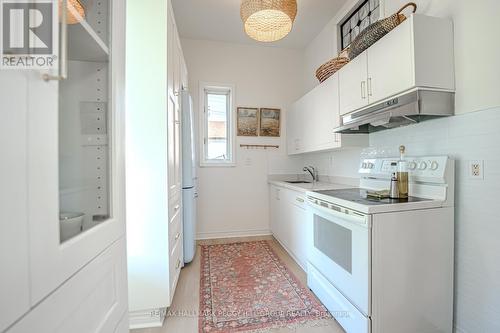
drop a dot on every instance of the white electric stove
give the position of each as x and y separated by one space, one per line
384 265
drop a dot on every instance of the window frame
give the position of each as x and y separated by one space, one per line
355 8
207 87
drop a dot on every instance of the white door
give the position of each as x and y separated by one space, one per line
353 84
14 256
77 166
390 64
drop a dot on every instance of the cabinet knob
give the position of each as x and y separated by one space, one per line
177 236
178 264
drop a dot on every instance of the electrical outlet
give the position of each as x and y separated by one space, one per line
476 169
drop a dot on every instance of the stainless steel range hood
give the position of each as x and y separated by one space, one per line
406 109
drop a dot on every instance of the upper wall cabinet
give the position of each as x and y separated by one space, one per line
312 118
353 88
418 53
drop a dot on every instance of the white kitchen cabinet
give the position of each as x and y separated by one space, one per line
353 83
294 126
390 65
184 74
321 111
274 209
14 241
175 61
154 208
313 118
291 222
37 262
417 53
94 300
51 178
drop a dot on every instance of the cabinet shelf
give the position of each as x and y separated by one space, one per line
84 44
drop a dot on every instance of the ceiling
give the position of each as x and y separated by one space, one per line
220 20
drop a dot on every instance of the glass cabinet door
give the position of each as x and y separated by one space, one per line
84 120
75 143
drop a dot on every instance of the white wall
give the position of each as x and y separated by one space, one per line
471 135
146 158
234 201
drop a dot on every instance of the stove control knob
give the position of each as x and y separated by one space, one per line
363 166
370 165
412 165
422 166
434 165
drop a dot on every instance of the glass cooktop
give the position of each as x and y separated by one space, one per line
360 196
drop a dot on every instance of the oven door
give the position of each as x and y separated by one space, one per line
341 250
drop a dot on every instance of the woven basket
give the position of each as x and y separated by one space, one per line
329 68
377 30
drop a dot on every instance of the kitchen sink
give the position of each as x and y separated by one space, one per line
298 182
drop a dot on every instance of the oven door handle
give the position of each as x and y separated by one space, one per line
346 215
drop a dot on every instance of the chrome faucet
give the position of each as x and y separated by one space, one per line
312 171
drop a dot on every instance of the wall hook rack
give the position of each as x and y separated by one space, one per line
259 146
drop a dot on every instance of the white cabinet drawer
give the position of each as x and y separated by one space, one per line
344 312
174 206
174 233
176 262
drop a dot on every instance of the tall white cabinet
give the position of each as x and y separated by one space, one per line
154 178
48 283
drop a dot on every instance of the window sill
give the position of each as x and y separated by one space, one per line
218 165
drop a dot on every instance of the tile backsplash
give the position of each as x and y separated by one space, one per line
467 137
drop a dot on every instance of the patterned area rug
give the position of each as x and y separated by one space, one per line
245 287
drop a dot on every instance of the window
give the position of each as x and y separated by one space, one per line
217 125
365 14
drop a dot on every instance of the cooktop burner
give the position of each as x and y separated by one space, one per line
360 196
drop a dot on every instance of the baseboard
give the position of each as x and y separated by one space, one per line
232 234
146 318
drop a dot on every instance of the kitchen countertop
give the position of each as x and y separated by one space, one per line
318 186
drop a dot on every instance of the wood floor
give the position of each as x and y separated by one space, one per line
184 307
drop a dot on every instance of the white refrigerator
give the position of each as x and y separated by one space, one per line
189 179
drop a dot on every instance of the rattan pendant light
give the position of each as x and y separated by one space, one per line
268 20
72 7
